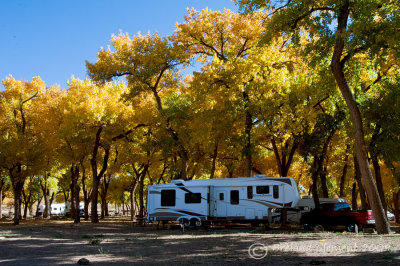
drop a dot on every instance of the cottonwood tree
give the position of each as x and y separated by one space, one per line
150 65
362 27
20 141
238 77
105 120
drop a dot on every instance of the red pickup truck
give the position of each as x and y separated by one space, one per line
338 214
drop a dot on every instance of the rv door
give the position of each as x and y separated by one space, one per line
221 206
212 204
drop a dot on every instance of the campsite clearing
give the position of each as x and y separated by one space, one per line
118 242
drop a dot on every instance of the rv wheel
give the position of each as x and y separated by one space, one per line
184 222
198 223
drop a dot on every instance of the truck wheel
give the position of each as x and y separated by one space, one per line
352 227
307 227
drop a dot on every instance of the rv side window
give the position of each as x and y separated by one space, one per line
249 192
276 192
262 189
235 197
192 197
168 197
221 196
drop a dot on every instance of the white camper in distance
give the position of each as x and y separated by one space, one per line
57 209
243 199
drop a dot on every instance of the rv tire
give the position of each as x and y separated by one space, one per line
196 222
184 222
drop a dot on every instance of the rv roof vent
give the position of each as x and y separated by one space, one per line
259 176
306 197
177 181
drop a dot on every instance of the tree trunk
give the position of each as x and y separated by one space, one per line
102 206
247 150
284 161
364 203
72 188
378 180
45 189
354 197
86 193
132 198
93 215
18 186
317 168
314 178
396 201
343 177
27 199
324 187
214 160
77 218
95 175
1 202
1 194
141 196
382 224
31 208
37 207
103 195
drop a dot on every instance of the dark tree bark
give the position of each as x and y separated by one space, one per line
87 193
324 187
375 162
357 176
37 208
103 195
1 193
378 180
132 196
344 173
178 142
141 176
1 203
214 160
77 218
396 206
337 65
247 150
18 186
46 195
285 159
66 195
97 175
318 163
72 188
27 200
354 197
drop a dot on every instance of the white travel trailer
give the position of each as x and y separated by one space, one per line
240 199
57 209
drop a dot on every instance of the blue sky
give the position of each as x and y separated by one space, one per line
53 38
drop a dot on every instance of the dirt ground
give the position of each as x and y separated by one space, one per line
118 242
